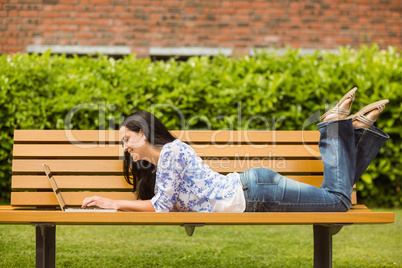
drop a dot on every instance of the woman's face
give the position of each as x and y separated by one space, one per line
134 143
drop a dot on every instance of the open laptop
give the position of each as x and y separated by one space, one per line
60 198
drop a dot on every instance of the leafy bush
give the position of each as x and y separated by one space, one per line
266 91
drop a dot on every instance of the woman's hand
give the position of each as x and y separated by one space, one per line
122 205
98 201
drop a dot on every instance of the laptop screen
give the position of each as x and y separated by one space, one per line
55 188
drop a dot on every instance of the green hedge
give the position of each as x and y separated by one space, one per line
266 91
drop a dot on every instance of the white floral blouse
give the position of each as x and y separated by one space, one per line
184 183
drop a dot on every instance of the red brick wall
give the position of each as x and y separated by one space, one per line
236 24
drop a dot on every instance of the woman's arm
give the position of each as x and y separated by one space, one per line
123 205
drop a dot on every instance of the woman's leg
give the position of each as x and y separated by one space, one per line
368 143
368 138
266 190
337 148
346 153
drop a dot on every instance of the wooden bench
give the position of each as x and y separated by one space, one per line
88 162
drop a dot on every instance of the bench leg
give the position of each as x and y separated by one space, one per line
323 244
45 245
190 227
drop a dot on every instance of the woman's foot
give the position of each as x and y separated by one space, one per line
371 115
336 116
366 117
342 108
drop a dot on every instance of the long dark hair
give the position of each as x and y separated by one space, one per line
142 174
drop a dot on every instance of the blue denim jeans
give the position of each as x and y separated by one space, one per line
346 153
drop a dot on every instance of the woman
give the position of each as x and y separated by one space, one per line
169 176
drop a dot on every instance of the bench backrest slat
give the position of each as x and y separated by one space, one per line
88 166
89 162
26 151
48 199
195 136
71 182
104 182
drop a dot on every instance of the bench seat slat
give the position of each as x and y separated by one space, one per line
65 136
71 198
179 218
34 167
202 150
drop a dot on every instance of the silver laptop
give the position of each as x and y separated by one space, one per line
60 198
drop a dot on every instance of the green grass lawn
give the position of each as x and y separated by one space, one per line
211 246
